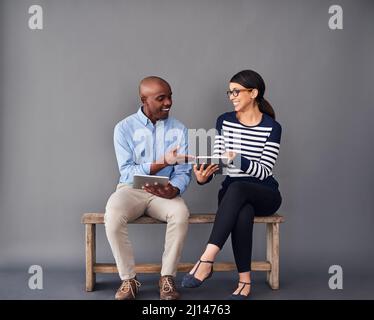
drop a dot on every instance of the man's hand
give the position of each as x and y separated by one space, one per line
169 159
167 192
172 157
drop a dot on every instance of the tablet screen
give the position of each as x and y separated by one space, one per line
222 162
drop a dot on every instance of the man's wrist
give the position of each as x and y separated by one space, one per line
163 161
157 166
177 191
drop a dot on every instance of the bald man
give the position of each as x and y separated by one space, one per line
149 142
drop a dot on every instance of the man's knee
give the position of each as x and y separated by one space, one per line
116 210
179 214
115 219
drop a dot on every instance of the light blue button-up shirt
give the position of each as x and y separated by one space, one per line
138 142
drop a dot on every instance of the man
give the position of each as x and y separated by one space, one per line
147 143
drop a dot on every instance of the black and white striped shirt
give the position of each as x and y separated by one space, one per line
257 147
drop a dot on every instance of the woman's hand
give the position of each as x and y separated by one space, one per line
230 155
202 175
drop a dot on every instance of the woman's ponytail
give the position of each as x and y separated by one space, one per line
265 107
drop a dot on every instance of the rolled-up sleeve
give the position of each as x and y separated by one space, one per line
181 175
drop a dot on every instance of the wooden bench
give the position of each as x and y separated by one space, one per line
271 266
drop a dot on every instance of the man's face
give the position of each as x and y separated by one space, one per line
157 100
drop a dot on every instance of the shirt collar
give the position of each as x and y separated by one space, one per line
143 118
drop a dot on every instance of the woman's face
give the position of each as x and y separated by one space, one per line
244 98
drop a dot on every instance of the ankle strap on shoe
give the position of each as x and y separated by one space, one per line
202 261
206 261
244 284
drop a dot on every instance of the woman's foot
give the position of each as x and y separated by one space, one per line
244 288
242 292
202 270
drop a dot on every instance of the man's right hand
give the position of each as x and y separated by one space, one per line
172 157
202 175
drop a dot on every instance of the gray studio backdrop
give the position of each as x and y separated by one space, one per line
63 89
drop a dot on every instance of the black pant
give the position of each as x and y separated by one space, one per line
238 206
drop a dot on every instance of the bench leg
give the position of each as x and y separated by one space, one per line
90 256
272 254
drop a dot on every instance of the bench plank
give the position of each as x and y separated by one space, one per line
98 218
182 267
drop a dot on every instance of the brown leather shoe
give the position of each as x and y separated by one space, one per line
168 289
128 290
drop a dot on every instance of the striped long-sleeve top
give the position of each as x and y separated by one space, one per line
257 147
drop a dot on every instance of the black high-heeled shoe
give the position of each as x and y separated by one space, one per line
190 281
240 296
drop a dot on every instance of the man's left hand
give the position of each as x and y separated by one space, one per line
167 192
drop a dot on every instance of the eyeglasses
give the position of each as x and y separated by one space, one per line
236 92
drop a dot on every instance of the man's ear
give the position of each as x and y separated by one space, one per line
143 99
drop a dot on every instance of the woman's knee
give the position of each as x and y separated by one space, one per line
246 215
236 188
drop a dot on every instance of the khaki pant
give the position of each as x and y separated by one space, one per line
127 204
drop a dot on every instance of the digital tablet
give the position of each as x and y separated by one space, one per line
222 162
142 180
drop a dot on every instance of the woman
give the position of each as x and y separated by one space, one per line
250 137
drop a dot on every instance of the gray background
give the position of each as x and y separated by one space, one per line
63 89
